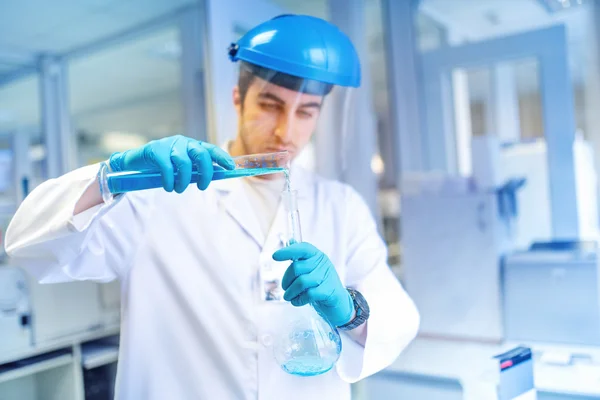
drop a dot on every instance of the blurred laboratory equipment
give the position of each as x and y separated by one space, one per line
453 267
305 343
552 293
15 311
465 370
530 160
513 373
112 183
42 328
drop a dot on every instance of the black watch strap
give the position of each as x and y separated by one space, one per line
362 311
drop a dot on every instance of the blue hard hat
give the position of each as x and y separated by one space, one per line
302 46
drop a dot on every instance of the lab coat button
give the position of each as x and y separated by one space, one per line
267 340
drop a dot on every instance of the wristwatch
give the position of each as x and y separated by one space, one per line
362 311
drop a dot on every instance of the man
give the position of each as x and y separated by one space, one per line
195 324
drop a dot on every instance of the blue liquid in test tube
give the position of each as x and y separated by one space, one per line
250 165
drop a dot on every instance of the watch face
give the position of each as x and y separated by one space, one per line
361 302
362 311
362 307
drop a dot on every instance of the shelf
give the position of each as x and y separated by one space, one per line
34 365
97 355
61 343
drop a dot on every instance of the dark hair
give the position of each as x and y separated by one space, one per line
249 71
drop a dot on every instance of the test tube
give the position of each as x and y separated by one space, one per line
290 204
112 183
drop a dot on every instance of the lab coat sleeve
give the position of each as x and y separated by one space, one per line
394 319
46 239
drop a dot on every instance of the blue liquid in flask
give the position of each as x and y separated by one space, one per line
309 360
306 343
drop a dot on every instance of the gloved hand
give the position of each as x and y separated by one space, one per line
312 278
174 154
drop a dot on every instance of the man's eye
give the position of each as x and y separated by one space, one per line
304 114
270 106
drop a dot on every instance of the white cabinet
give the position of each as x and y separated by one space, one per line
64 309
15 324
452 245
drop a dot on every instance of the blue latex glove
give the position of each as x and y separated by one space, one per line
174 154
312 278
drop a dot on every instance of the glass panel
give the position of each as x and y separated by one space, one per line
479 94
7 179
493 93
527 79
20 122
126 95
21 151
503 101
471 99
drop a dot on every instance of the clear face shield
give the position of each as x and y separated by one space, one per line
293 95
281 112
278 112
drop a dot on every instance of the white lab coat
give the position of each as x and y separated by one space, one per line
193 326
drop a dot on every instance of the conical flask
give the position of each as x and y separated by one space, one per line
305 343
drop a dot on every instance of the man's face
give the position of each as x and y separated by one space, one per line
273 118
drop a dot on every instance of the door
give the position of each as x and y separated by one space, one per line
227 20
446 140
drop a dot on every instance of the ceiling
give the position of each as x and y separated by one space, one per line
135 77
33 26
131 86
134 86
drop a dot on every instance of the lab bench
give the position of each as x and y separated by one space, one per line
436 369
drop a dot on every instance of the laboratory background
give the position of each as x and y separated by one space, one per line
475 143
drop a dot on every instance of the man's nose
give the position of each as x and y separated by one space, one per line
283 130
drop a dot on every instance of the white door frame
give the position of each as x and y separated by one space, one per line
549 47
